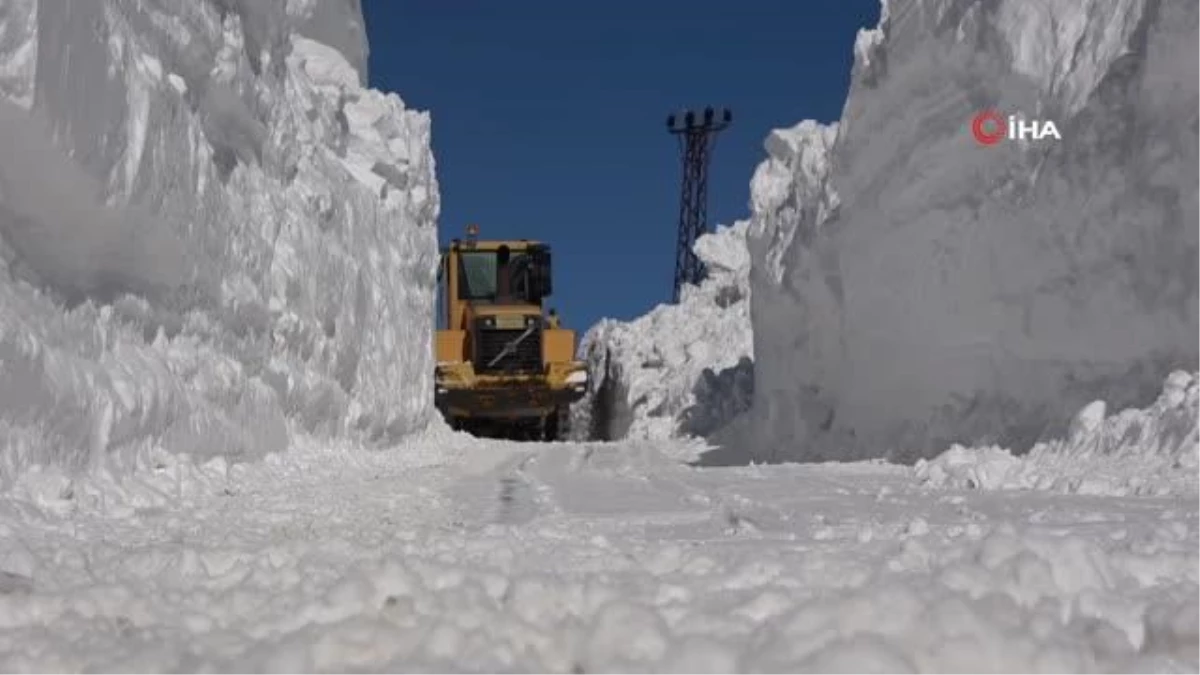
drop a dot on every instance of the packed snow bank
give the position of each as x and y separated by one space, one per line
1151 451
679 370
210 231
913 289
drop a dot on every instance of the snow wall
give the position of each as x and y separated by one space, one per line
211 234
679 370
912 289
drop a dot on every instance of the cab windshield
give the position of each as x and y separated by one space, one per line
482 279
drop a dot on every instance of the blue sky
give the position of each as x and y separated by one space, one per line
549 118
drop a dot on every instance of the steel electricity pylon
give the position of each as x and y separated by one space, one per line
697 133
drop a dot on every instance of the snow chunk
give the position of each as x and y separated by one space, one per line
18 51
330 24
683 369
324 65
976 468
625 634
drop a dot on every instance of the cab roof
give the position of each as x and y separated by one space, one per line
493 244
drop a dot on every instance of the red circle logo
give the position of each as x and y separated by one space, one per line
989 127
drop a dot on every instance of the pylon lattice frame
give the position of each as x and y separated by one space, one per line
697 137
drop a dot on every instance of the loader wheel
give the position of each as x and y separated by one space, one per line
556 425
564 422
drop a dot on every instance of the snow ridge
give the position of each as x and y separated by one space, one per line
679 370
213 235
912 289
1151 451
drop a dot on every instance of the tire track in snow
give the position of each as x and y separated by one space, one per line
622 485
506 494
562 478
578 480
517 503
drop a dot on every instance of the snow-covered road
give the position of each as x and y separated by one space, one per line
455 554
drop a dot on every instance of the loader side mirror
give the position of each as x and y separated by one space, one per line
540 278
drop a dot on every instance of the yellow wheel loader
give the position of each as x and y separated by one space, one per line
504 368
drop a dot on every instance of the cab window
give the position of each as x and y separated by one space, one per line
477 275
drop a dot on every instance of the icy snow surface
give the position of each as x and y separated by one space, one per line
451 554
679 370
912 289
211 235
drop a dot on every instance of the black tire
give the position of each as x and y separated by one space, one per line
564 422
557 425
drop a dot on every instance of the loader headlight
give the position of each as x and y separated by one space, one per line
578 381
489 322
530 321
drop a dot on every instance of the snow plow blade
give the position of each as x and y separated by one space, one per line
508 402
514 407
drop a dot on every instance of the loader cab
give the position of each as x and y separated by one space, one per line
487 278
504 275
491 296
